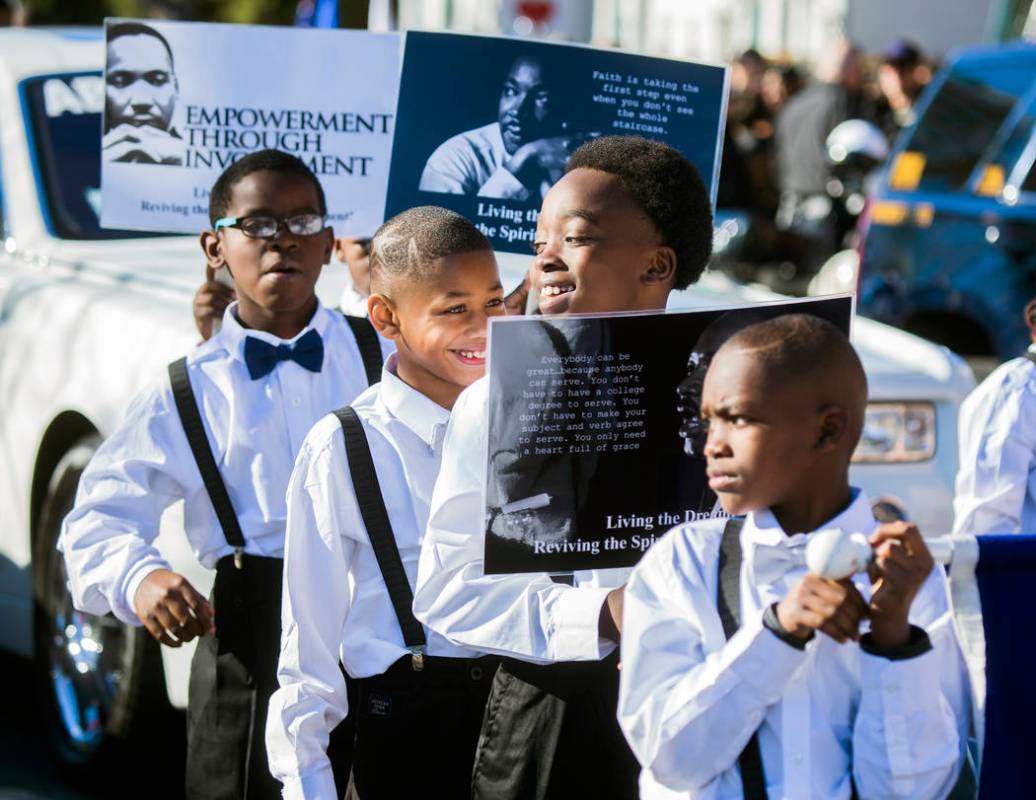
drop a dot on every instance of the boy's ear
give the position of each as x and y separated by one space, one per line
212 247
834 425
382 314
329 244
662 268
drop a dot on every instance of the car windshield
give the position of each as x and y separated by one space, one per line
64 112
957 127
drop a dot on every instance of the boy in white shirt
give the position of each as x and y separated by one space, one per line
996 481
628 223
356 519
767 708
244 401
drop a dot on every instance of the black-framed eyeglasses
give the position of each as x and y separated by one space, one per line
265 227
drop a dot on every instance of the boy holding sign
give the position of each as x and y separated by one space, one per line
727 691
629 222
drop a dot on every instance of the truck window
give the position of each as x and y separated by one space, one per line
64 112
959 124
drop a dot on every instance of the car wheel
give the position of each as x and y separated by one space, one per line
102 680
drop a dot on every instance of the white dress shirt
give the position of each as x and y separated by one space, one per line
689 699
996 481
336 605
472 163
526 616
254 428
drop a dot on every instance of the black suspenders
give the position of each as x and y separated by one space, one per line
370 348
190 418
379 529
728 603
187 407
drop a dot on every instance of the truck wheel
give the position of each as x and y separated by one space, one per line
102 681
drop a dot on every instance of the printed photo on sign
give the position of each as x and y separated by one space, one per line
486 124
184 100
596 442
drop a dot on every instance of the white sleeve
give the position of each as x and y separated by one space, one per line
526 616
998 454
135 475
311 700
911 728
448 169
686 713
502 185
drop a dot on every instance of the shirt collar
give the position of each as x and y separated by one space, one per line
761 527
423 416
233 334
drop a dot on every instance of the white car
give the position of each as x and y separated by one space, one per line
89 316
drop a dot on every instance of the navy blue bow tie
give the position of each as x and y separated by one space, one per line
261 357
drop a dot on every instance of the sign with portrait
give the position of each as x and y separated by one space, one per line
596 441
184 100
486 124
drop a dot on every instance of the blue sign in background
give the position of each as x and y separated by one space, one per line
454 94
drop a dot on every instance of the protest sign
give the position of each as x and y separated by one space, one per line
595 445
183 100
486 124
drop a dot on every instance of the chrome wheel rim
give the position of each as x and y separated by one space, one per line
85 672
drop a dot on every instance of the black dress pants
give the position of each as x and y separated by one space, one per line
233 675
550 733
416 732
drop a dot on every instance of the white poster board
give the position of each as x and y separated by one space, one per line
183 100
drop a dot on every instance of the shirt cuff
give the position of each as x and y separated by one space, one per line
772 623
573 627
504 186
316 785
128 612
762 661
918 644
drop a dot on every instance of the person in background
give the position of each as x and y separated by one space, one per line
902 76
996 481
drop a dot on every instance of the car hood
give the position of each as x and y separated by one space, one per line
899 365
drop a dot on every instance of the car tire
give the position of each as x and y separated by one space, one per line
102 682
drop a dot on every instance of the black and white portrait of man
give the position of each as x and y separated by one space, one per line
140 92
519 155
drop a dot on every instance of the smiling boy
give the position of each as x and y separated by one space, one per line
235 410
357 510
726 690
629 222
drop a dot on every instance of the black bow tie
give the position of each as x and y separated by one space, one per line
261 357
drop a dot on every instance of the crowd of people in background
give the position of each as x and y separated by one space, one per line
775 162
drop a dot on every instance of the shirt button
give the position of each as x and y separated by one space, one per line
296 402
892 688
796 758
476 673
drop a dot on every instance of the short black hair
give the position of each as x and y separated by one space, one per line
405 246
259 161
668 189
121 29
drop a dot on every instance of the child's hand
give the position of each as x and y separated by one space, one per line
834 608
210 301
172 610
514 303
902 563
609 624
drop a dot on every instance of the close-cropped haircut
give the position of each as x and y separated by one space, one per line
666 187
406 245
1030 316
121 29
804 347
259 161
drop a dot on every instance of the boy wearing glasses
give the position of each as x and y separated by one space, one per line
235 411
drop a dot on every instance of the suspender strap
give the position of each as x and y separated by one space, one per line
370 348
190 418
728 602
379 529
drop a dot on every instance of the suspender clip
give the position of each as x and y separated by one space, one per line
417 658
239 557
